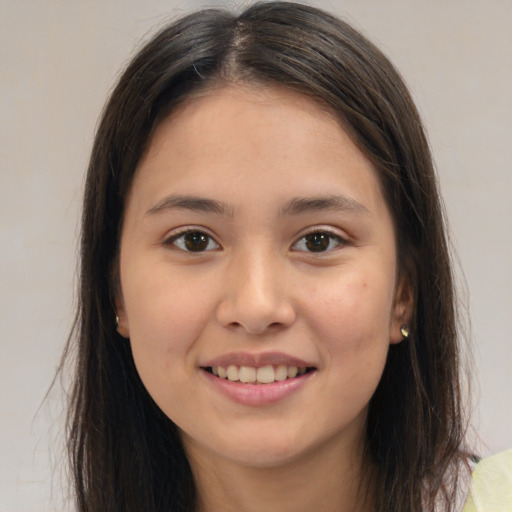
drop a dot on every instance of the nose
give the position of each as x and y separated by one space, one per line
256 294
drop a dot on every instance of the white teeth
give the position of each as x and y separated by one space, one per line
262 375
292 372
247 374
281 372
265 374
232 372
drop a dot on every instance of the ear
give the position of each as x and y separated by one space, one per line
402 310
122 324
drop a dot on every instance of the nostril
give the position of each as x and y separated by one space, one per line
256 326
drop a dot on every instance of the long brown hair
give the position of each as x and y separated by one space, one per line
125 453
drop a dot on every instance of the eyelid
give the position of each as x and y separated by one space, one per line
343 240
176 233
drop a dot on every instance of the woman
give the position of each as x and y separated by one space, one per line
267 314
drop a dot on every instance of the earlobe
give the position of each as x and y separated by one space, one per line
402 313
121 319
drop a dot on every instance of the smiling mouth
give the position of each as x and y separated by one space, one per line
258 375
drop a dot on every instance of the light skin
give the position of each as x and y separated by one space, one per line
293 253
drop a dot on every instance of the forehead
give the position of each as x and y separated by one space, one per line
218 113
254 137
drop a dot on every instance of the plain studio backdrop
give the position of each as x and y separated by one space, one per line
59 59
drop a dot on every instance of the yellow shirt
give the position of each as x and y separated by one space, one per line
491 485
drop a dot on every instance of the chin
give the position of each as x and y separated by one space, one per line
267 449
269 457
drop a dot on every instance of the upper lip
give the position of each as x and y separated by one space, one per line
256 360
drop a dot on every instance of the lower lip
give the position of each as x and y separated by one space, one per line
258 394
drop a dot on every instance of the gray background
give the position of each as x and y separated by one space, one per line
58 61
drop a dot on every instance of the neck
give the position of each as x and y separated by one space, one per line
322 481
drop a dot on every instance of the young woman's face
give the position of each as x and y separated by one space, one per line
257 242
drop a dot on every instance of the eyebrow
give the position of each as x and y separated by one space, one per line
296 206
339 203
194 203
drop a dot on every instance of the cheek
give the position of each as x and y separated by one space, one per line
354 335
351 319
358 309
165 315
166 318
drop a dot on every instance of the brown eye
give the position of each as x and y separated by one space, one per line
319 241
194 241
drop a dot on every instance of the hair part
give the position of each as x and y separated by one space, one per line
125 453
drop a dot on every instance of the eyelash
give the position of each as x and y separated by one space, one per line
324 235
179 241
180 237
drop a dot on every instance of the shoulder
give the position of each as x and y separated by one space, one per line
491 485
